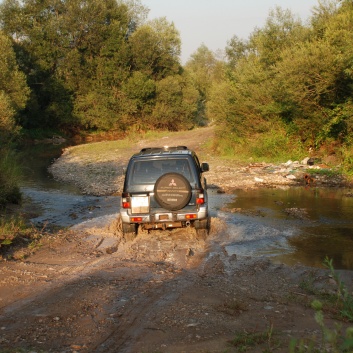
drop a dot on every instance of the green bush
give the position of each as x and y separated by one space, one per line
271 146
9 178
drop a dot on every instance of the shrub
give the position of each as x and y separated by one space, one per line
9 178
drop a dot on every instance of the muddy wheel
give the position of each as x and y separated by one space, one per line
202 228
129 231
172 191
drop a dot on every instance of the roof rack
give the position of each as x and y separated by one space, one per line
165 148
149 148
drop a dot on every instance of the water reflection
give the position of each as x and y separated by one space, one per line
35 160
294 225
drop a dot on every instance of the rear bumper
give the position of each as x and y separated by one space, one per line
164 218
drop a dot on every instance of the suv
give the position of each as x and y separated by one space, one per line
164 188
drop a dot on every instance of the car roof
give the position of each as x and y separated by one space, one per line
164 151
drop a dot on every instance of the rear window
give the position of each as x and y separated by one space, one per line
148 171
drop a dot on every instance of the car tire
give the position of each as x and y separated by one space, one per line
202 228
129 231
172 191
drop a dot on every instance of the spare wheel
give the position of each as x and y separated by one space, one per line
172 191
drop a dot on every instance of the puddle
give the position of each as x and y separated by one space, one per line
295 225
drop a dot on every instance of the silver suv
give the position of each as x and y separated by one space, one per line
165 188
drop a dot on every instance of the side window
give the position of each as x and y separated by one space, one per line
197 163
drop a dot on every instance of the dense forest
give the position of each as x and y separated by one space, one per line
79 66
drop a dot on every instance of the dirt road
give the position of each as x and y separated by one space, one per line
87 290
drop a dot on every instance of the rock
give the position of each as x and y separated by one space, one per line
310 161
291 177
305 161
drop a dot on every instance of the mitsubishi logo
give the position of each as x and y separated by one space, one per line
172 183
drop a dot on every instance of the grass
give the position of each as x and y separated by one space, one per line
332 339
324 172
109 147
272 146
245 341
17 238
340 304
344 298
9 178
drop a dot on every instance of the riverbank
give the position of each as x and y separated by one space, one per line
98 169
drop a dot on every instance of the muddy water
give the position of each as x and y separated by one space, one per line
294 225
54 203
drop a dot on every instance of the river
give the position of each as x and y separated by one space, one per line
290 225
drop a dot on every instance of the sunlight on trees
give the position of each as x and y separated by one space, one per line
100 65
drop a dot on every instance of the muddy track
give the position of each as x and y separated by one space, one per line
162 292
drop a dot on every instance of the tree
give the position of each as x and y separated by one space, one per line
204 70
281 30
13 90
176 104
235 50
155 49
68 49
140 93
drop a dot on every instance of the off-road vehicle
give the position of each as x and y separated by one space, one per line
164 188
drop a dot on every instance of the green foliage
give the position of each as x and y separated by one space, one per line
176 104
280 31
155 49
13 91
12 80
9 178
7 122
93 65
10 228
244 341
286 72
204 70
17 238
273 145
347 157
99 65
344 298
332 339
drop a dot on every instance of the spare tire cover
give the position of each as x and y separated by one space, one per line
172 191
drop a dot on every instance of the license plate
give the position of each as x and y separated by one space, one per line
163 217
140 204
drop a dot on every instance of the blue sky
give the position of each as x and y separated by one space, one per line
214 22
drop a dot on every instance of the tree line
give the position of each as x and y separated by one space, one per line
99 65
289 85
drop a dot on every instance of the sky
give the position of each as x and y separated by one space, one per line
214 22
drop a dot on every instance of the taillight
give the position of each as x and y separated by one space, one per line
200 198
191 216
125 201
136 219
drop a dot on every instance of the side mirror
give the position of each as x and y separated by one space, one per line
205 167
